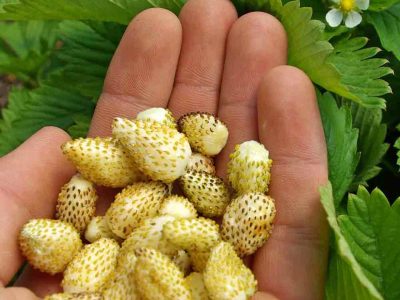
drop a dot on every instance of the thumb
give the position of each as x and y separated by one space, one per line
17 294
30 179
263 296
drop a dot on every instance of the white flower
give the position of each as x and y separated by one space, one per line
349 10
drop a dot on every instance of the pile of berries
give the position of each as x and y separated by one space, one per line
159 238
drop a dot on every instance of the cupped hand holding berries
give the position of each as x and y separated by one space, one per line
207 60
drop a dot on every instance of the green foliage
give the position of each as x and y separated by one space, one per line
378 5
67 97
365 254
341 141
343 282
371 142
397 146
344 68
119 11
346 279
63 83
360 72
25 48
372 229
29 111
387 25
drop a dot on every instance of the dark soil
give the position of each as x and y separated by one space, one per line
6 82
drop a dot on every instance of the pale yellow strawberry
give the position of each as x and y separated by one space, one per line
76 202
121 287
226 277
149 234
196 283
200 162
126 262
157 277
247 222
182 260
249 168
135 203
178 207
75 296
92 268
206 133
199 234
199 259
102 161
98 228
49 245
158 114
207 192
159 151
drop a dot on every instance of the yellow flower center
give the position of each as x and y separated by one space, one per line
347 5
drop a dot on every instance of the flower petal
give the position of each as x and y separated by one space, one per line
362 4
334 17
352 19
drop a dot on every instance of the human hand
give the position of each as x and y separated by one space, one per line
207 60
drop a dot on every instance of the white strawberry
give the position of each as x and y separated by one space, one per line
249 168
247 222
149 234
178 207
199 259
135 203
196 284
206 133
49 245
200 162
158 114
76 202
226 277
157 277
98 228
159 151
126 262
199 234
182 260
121 287
102 161
92 268
75 296
207 192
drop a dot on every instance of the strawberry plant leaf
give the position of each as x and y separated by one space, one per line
371 142
25 47
360 71
377 5
387 25
346 279
345 68
372 229
341 141
81 126
66 98
119 11
44 106
397 146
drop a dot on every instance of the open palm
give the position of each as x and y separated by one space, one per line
208 60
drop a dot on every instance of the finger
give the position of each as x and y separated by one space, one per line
17 294
256 43
263 296
41 284
142 71
292 263
205 24
30 180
